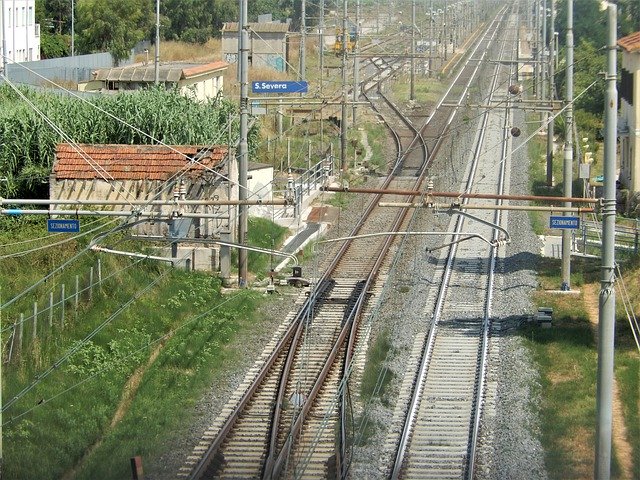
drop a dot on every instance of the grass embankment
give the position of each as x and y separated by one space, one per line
566 355
122 376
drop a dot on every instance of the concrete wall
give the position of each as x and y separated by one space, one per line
267 49
202 188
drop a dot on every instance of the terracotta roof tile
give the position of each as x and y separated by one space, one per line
133 162
631 43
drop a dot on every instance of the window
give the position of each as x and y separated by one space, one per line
24 16
9 18
30 18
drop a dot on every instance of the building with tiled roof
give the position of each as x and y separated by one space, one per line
123 173
629 122
144 172
201 81
267 44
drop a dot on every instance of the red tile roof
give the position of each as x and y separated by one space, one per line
133 162
631 43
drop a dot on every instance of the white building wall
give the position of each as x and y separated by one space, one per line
19 32
630 114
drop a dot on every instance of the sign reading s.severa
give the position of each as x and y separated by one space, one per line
279 87
564 222
63 226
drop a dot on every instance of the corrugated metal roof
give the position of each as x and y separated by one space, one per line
166 72
134 162
270 27
631 43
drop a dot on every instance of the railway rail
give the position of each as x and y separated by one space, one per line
442 410
288 419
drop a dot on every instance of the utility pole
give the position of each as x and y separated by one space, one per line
73 30
412 93
550 124
157 55
343 117
607 299
567 177
243 149
356 64
431 20
4 45
543 84
321 41
303 40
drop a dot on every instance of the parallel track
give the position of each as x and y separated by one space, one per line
442 418
286 422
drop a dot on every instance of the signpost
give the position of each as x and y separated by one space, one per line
564 222
261 86
63 226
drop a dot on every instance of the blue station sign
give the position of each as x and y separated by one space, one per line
261 86
564 222
63 226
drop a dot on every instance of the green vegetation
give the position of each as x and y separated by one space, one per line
28 145
264 234
87 394
376 376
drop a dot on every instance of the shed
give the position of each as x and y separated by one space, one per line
145 172
267 44
201 81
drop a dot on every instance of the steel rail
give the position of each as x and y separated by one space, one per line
430 340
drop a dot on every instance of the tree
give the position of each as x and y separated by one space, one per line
114 26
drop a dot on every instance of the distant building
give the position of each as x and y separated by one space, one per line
629 122
267 44
19 34
201 81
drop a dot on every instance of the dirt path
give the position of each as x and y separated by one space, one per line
129 392
621 446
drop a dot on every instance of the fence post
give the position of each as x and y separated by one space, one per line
99 271
62 302
50 309
91 283
35 321
635 238
20 333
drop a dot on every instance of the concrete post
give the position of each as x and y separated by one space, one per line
243 148
607 298
568 152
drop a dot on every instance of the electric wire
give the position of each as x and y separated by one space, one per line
122 360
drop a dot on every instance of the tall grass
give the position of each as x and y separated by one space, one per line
67 419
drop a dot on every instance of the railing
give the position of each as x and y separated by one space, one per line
589 237
310 180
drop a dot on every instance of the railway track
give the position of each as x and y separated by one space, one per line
288 418
441 411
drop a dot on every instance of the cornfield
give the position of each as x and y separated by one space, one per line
28 139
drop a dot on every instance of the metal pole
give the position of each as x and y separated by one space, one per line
550 122
543 86
567 177
157 52
343 121
73 29
356 65
243 150
321 28
412 92
607 299
431 20
4 61
303 41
